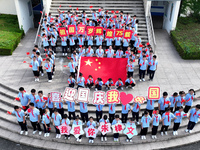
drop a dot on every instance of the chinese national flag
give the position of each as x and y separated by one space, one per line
71 29
104 68
90 30
119 32
62 32
81 29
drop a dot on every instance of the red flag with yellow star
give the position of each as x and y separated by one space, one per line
104 68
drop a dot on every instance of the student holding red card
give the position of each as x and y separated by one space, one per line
21 119
163 103
193 118
156 118
180 100
41 102
49 69
35 67
34 115
173 101
23 97
179 114
166 120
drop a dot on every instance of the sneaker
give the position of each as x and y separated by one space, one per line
165 132
101 139
142 137
92 141
42 74
40 132
65 138
80 140
127 140
114 139
143 79
174 133
145 137
50 81
63 54
48 134
105 138
140 80
35 79
152 136
34 132
138 123
132 87
38 79
95 89
89 141
45 135
190 131
131 140
155 137
68 138
83 124
56 136
117 140
126 87
52 77
186 130
77 139
121 88
161 133
59 136
21 132
26 132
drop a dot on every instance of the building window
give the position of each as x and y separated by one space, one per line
171 12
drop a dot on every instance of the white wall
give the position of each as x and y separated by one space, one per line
47 5
7 7
24 14
171 24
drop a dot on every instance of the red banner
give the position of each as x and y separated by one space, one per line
62 32
109 33
128 34
99 68
90 30
119 32
71 29
81 29
98 30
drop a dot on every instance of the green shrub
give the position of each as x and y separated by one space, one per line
186 38
10 34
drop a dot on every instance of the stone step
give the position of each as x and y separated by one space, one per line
97 7
14 128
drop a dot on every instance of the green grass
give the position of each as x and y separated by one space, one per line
186 38
10 34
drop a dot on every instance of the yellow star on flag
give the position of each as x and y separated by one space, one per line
88 62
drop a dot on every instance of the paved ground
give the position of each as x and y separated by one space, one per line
173 74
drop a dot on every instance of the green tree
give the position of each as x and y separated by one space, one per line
191 8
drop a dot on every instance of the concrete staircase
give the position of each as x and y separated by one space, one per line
9 129
133 7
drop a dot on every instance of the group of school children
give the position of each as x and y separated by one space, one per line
42 110
146 59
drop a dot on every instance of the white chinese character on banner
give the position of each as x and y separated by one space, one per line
83 95
69 94
99 97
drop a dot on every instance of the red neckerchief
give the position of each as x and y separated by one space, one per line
70 104
40 99
72 40
125 107
18 113
59 105
49 101
137 106
164 102
99 107
194 113
146 120
174 100
156 118
151 102
72 65
111 107
83 106
22 95
77 122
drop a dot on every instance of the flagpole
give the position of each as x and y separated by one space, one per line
79 64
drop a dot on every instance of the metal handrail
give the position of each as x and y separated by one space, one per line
152 28
39 27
